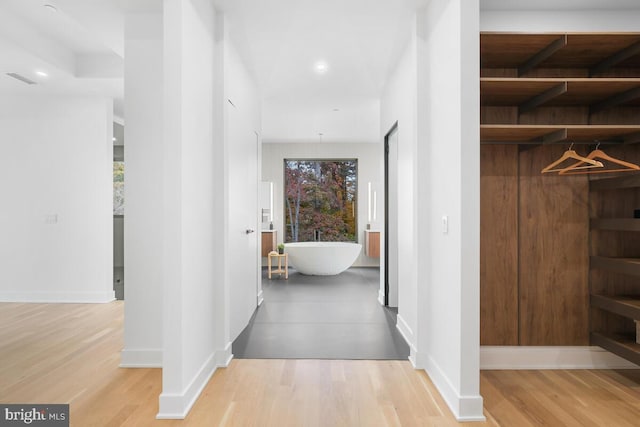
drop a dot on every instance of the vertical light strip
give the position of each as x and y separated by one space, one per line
271 202
375 205
369 202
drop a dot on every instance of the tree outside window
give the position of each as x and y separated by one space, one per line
118 188
321 196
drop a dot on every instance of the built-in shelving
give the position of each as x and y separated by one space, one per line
620 182
543 134
622 305
622 345
613 307
593 78
630 266
598 93
615 224
597 53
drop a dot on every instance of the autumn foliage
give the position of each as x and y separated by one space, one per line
320 195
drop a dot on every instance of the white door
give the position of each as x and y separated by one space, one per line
243 220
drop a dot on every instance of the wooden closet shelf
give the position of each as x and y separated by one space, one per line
532 134
560 50
628 266
627 181
622 345
623 305
560 92
615 224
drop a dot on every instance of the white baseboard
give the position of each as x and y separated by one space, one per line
406 332
464 408
260 298
224 357
150 358
177 406
59 297
538 357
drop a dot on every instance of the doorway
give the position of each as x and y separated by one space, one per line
391 217
243 221
334 316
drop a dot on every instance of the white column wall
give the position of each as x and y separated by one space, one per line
448 152
190 191
222 300
434 96
399 105
57 184
471 401
144 211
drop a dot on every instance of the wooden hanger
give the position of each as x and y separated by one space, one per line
571 154
599 154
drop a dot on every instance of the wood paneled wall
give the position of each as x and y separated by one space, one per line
554 252
499 244
534 250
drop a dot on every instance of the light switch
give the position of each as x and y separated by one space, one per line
445 224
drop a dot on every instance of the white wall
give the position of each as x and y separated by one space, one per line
190 204
56 183
358 117
143 192
370 169
242 177
562 21
433 94
399 105
448 152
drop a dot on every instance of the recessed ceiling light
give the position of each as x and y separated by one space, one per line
114 139
336 109
321 67
42 73
50 7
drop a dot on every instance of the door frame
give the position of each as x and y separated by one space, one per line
393 129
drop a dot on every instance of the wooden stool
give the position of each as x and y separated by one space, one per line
280 270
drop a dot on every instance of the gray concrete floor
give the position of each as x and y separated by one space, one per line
322 317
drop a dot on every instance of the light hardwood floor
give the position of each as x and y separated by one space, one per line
69 353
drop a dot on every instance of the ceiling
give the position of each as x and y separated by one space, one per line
560 5
81 48
282 40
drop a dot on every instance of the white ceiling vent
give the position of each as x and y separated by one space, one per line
21 78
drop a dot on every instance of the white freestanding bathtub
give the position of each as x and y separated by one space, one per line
322 258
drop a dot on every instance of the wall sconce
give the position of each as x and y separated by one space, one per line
372 204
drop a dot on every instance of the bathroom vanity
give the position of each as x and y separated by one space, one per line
372 243
269 241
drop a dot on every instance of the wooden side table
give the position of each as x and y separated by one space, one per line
279 270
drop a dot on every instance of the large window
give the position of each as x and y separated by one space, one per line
118 188
321 200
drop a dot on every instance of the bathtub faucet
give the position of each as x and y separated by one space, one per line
316 235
